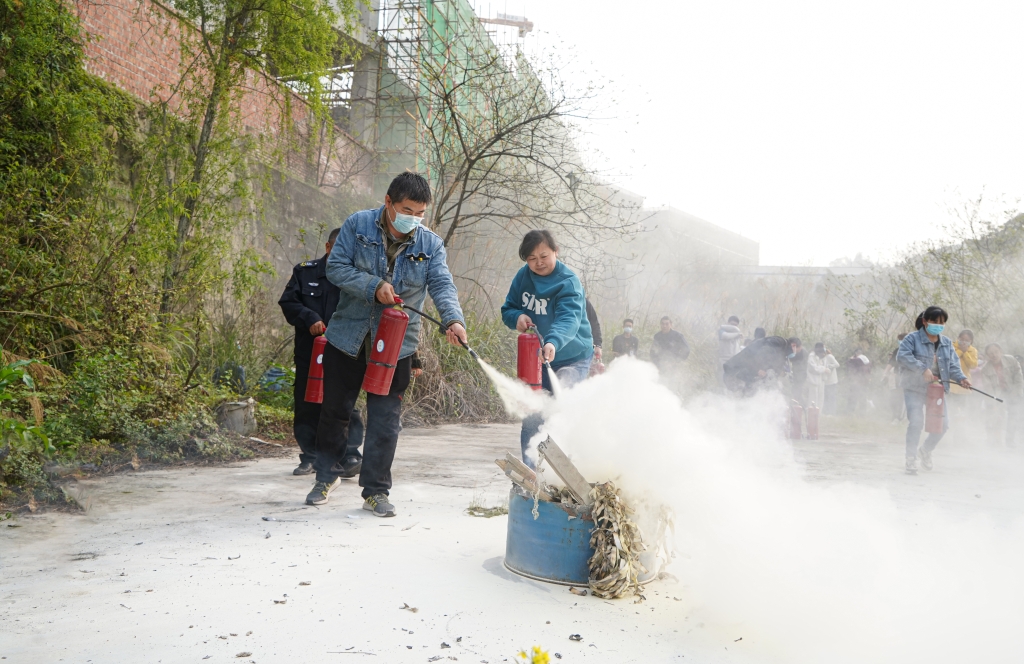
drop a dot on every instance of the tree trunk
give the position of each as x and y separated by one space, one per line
192 199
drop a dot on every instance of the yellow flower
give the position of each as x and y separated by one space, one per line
536 656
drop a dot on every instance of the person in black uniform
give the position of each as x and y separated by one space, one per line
308 300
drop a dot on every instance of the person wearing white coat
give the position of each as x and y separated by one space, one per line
821 375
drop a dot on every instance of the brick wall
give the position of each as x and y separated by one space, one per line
137 46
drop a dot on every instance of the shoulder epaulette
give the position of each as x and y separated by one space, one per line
308 264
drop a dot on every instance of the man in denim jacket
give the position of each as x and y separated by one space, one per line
380 254
924 357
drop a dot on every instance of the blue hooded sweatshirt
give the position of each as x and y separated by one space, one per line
557 306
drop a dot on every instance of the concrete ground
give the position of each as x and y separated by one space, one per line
183 565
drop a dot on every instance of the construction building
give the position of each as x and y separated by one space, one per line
388 105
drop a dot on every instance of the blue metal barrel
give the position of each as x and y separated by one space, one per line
553 547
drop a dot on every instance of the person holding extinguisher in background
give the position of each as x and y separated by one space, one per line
924 357
308 300
380 254
547 294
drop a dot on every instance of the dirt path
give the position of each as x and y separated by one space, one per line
180 565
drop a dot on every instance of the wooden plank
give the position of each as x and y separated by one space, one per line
529 484
520 467
574 481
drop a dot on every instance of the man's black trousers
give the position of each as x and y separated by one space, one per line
343 380
307 419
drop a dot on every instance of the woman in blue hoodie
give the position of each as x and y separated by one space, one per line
547 294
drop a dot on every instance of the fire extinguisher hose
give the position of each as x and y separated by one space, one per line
972 388
439 324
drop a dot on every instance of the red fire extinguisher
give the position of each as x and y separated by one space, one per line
387 343
528 362
315 380
934 407
796 420
812 421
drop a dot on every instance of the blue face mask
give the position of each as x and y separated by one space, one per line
791 355
934 330
405 223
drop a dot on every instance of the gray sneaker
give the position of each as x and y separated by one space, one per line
318 496
379 505
304 468
926 459
911 466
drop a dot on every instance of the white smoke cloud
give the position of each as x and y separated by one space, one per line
811 572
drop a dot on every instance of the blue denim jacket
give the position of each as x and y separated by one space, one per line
915 355
358 264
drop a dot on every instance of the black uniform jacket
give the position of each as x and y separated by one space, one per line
308 298
595 325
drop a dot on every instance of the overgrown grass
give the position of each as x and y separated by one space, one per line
452 386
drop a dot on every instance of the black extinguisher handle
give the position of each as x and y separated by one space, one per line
541 337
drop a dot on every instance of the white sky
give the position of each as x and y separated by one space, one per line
819 129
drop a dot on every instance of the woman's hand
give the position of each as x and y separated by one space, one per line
523 323
929 377
549 352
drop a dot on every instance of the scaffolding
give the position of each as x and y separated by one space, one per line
415 35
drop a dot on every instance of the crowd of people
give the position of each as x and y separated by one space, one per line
924 357
382 256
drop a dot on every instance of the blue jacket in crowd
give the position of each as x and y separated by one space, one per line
917 353
358 264
558 307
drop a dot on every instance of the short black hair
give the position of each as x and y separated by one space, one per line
409 186
666 318
734 318
795 341
535 238
759 333
935 313
819 346
334 235
628 320
969 333
993 344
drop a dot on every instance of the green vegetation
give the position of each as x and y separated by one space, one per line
118 279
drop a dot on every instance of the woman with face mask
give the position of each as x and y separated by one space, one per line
924 357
